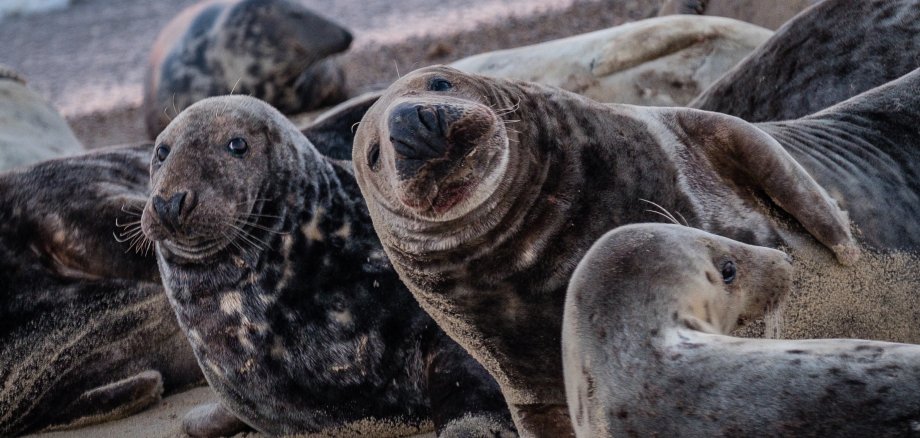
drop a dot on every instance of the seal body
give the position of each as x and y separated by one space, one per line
296 316
646 349
486 193
86 332
30 129
276 50
664 61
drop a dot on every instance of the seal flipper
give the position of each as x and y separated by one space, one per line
746 156
111 402
212 420
333 132
465 399
688 7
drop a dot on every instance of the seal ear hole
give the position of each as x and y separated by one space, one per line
729 272
161 152
439 84
373 156
237 147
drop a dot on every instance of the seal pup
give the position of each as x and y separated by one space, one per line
86 331
665 61
767 14
275 50
825 55
487 192
646 349
276 276
30 129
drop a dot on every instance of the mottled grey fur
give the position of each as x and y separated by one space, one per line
86 332
275 50
487 235
646 351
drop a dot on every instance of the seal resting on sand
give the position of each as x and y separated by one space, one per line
296 316
86 332
30 129
487 192
275 50
646 349
664 61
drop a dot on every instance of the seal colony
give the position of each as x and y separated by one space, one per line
86 332
278 280
646 351
275 50
487 191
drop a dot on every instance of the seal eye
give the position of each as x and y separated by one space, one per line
440 84
373 156
237 147
162 152
728 272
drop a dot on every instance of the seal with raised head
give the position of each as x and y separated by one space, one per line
30 129
296 316
275 50
86 331
487 192
646 350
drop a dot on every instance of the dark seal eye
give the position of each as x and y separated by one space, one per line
237 147
162 152
373 156
728 272
440 84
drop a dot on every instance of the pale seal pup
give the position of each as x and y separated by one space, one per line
86 331
664 61
770 14
646 350
296 316
30 129
487 192
275 50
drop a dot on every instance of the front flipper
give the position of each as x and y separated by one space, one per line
111 402
465 399
212 420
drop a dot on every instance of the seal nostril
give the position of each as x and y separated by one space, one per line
175 205
428 117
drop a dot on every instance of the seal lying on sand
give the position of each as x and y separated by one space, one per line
770 14
30 129
86 332
663 61
645 350
487 192
296 316
274 50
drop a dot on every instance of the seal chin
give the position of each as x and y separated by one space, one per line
444 199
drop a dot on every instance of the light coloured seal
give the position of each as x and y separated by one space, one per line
664 61
275 50
296 316
487 192
646 350
86 331
30 129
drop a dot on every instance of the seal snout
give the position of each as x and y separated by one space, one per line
169 211
418 133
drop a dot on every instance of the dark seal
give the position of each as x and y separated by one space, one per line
487 192
646 350
86 331
297 318
275 50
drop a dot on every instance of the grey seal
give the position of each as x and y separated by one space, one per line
487 192
296 316
646 349
30 129
275 50
86 331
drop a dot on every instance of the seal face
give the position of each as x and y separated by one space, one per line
274 50
646 349
502 222
296 316
86 332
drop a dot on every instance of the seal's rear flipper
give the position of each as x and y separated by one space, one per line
111 402
212 420
333 132
746 158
